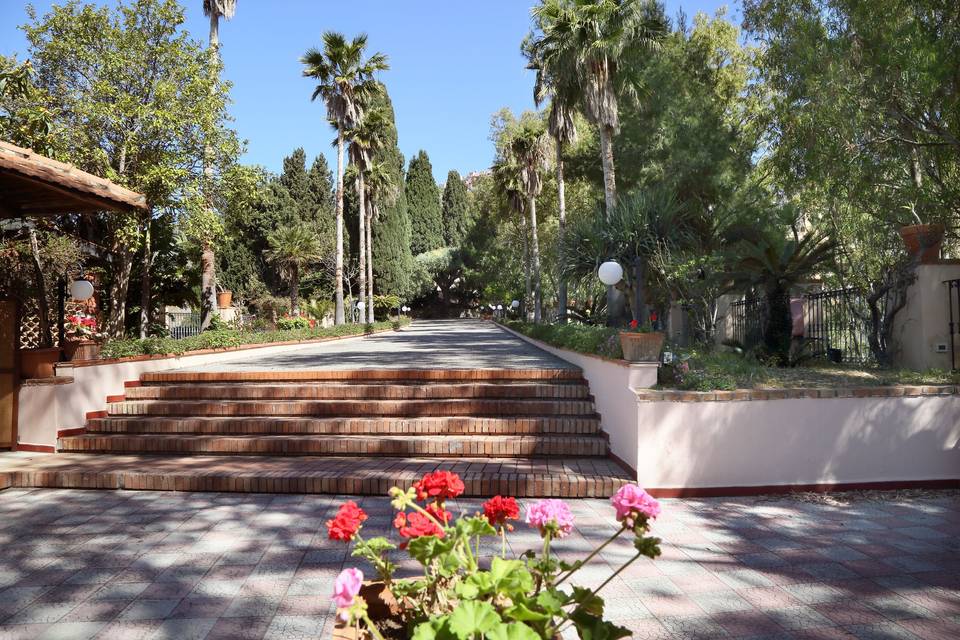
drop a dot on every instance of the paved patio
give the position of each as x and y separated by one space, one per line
425 344
85 564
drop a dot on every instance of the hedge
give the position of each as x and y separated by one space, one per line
227 338
594 340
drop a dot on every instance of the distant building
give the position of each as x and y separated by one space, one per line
471 178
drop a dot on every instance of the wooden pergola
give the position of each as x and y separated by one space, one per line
33 186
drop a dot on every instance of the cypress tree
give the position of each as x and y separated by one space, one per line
294 180
392 260
456 219
423 202
320 186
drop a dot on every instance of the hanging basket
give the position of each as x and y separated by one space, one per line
641 347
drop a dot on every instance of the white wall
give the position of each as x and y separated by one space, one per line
798 441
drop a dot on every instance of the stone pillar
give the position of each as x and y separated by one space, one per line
921 329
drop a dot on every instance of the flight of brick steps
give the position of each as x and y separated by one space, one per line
535 431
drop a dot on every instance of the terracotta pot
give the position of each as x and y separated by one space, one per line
641 347
74 350
38 363
224 299
924 240
384 611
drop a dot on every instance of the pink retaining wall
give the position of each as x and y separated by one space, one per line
759 443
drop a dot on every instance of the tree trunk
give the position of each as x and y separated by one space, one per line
362 221
208 285
295 291
116 326
214 31
370 264
535 257
43 310
609 176
526 268
561 231
338 271
145 280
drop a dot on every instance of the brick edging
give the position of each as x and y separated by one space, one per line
741 395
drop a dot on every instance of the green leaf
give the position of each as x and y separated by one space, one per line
471 618
472 526
426 548
552 600
591 627
520 611
437 628
510 577
512 631
588 601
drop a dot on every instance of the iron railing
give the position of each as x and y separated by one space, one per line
836 325
748 319
182 324
953 304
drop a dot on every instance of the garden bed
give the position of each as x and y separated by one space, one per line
229 339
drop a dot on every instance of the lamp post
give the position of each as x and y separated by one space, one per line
610 273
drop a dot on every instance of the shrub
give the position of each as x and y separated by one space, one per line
286 323
600 341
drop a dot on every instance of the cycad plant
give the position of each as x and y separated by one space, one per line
292 248
345 81
774 262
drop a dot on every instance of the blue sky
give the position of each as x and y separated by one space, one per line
453 64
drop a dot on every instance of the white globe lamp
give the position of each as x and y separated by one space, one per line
514 304
610 273
81 290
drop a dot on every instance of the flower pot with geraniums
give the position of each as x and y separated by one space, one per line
923 240
82 340
461 594
641 343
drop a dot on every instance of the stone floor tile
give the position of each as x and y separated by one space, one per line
149 609
814 592
296 627
21 631
881 631
747 624
647 629
72 630
184 629
802 617
720 601
95 610
239 629
693 627
932 629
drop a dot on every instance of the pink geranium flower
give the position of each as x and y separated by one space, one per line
551 512
346 587
632 502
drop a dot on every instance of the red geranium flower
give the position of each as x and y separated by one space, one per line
347 522
499 509
441 514
634 324
440 485
414 525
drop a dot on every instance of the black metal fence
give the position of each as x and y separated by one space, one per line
182 324
953 304
835 324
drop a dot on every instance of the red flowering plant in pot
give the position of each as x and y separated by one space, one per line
82 339
640 343
462 595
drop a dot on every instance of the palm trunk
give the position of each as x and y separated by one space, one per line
535 258
208 273
362 221
609 176
526 267
338 270
145 280
295 291
370 264
561 231
43 310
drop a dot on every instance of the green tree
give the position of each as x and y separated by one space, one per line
136 100
345 81
423 205
292 248
456 213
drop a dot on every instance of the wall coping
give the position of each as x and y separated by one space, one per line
744 395
74 364
46 382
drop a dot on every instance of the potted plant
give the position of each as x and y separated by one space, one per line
640 343
923 240
82 340
462 595
224 298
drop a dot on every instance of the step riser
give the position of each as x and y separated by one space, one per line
352 409
447 447
337 426
358 392
362 375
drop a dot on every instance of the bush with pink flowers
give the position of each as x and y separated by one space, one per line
461 595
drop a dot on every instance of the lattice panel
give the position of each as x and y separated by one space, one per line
30 323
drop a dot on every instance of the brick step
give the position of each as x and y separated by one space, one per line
373 475
357 391
504 425
350 408
403 445
361 375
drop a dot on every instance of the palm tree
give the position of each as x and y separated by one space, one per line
557 82
292 248
345 81
506 175
594 37
380 190
214 9
365 138
528 145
